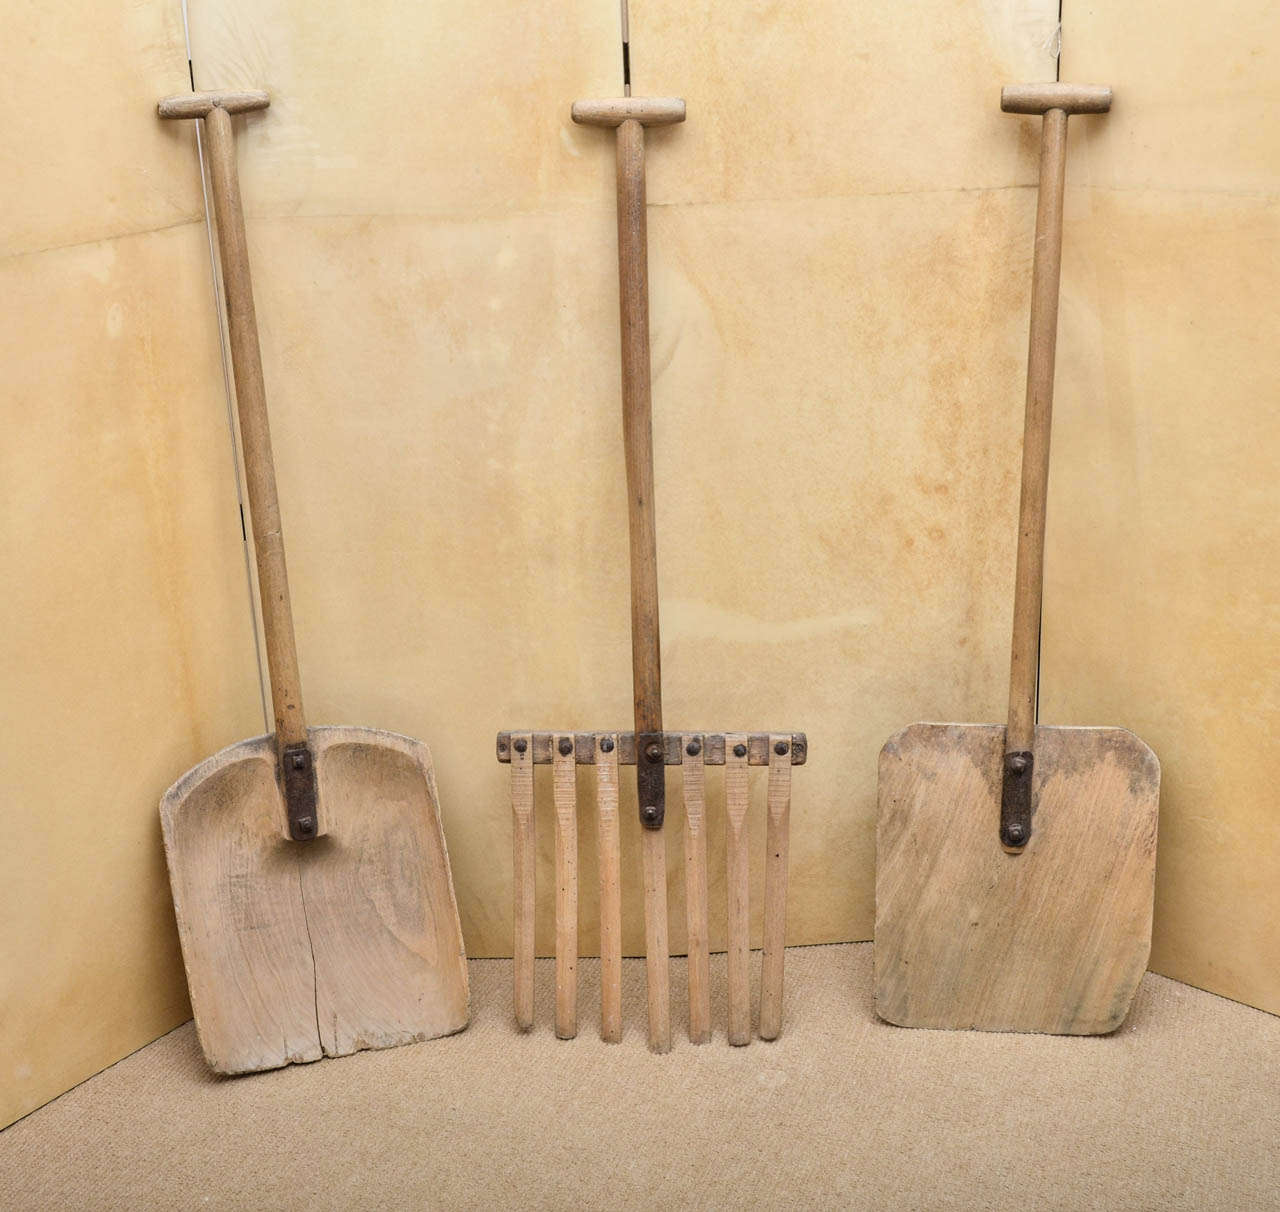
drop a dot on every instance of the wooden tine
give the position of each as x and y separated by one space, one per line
610 863
738 877
564 775
695 884
775 886
657 951
525 855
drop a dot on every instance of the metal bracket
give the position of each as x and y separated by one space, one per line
1015 799
299 771
651 778
587 743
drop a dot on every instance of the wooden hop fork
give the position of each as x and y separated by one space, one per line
649 747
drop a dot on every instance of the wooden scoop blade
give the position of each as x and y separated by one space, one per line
1054 939
295 951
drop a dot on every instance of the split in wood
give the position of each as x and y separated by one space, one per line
564 751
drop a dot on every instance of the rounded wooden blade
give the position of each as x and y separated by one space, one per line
297 950
1053 939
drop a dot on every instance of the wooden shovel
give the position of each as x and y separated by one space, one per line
310 878
1015 866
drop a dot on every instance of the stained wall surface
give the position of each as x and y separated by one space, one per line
1162 607
125 634
840 242
837 312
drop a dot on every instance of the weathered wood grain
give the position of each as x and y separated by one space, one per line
738 889
564 791
294 952
1053 939
695 890
524 858
609 861
777 848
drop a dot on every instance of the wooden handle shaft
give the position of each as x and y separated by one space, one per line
637 422
1029 582
255 434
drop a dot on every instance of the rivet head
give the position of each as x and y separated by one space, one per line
1018 763
780 748
565 746
653 751
649 814
521 745
502 746
739 750
1014 834
606 744
693 748
306 825
298 761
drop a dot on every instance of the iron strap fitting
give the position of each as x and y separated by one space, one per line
1015 799
299 771
651 778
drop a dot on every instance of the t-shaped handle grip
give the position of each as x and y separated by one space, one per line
648 111
200 105
1041 98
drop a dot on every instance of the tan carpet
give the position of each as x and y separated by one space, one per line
1179 1109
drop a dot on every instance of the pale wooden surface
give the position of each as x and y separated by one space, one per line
297 951
609 860
657 964
695 885
737 862
777 849
565 796
1054 939
524 858
1070 98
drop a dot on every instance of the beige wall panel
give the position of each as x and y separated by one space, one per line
443 108
127 646
1161 606
830 98
1197 94
81 158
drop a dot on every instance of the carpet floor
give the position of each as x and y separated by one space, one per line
1179 1109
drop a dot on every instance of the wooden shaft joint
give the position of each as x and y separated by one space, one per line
614 111
1041 98
200 105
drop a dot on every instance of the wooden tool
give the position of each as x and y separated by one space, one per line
1015 865
649 748
310 878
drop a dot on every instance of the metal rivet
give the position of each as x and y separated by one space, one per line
693 748
1014 834
299 761
780 748
502 746
521 745
565 746
649 813
306 824
653 751
606 744
739 750
1018 763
